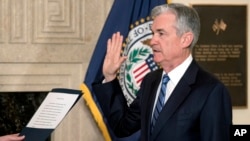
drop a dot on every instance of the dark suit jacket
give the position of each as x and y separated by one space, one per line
199 109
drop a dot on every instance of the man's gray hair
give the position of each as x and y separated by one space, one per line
187 19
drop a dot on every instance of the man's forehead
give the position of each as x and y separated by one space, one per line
163 20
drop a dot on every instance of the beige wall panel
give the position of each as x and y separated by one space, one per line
46 44
1 21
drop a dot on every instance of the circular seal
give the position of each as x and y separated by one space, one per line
139 60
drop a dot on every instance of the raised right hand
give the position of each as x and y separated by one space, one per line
113 58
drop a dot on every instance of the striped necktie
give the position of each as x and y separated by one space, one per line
161 100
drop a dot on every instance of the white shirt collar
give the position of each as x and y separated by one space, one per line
176 74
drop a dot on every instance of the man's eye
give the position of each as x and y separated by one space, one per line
160 33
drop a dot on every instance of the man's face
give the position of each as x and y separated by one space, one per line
165 42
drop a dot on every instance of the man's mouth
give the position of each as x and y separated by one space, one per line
155 50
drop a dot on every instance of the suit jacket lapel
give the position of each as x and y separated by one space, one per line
152 94
180 93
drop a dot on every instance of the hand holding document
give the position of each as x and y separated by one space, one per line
51 112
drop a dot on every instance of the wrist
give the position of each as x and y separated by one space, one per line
109 78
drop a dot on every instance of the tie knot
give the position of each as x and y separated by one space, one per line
165 79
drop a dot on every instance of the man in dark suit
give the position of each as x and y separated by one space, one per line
196 106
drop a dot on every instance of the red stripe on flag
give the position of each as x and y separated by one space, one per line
140 67
142 76
141 72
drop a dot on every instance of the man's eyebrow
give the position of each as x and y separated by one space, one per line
159 30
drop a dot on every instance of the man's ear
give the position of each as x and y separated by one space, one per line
187 39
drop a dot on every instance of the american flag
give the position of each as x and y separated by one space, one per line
143 68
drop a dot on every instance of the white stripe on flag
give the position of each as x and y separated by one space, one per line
139 72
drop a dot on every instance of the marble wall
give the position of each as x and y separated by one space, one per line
16 109
46 44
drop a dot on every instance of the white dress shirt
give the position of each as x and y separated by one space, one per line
175 75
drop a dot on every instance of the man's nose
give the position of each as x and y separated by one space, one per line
152 41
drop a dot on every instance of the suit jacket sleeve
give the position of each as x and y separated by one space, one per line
216 116
123 119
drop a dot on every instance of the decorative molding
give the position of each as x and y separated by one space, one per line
58 21
1 21
39 77
18 21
